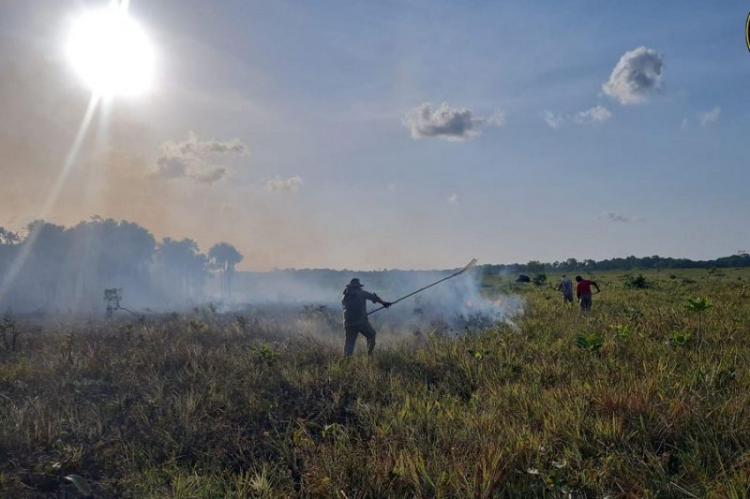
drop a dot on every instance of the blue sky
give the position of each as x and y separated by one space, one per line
321 93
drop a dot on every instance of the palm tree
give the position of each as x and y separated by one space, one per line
224 257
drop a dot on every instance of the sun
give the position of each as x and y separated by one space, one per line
111 53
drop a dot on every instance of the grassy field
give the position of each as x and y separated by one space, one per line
648 396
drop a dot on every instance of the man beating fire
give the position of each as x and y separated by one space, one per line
355 316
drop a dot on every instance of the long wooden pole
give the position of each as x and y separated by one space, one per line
468 266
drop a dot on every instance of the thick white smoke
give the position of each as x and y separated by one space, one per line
454 306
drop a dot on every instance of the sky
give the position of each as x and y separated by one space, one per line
394 134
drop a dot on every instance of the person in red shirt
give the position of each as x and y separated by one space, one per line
583 292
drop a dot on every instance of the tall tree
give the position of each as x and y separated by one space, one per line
184 267
224 258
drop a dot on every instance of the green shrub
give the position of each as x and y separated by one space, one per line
539 279
636 282
592 342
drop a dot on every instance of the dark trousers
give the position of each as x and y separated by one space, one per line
585 303
352 330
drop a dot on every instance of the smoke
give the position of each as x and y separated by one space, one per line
66 270
69 269
453 305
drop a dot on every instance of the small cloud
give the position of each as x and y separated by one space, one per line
597 114
636 75
554 121
447 123
194 146
171 167
391 187
593 116
191 158
619 217
454 198
278 184
684 124
497 119
710 117
211 176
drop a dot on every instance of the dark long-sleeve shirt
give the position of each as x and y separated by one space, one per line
355 305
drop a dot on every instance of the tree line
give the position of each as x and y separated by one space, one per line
740 259
52 268
57 269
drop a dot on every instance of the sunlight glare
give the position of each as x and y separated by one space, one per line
111 53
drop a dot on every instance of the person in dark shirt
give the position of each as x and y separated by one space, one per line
583 292
355 316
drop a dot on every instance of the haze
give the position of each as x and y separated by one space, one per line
412 134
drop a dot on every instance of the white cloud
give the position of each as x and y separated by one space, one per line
278 184
710 117
191 158
595 115
454 199
447 123
636 75
554 121
619 217
171 167
194 146
497 119
210 176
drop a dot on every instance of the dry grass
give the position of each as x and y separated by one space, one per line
208 406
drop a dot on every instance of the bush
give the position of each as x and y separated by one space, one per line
539 279
636 282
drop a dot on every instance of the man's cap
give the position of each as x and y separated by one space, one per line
354 283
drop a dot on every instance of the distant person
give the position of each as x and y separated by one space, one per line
583 292
355 316
566 288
